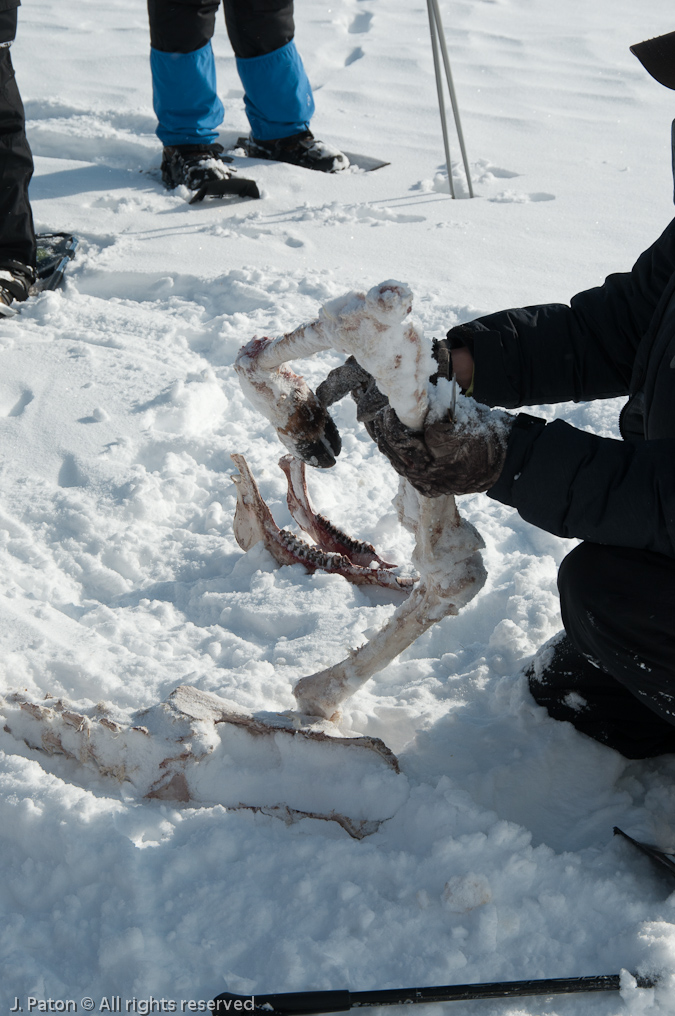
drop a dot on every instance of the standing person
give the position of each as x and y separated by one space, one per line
17 236
277 93
611 672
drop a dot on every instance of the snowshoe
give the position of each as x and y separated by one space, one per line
664 858
298 150
19 281
54 251
206 171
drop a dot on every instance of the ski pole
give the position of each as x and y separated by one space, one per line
301 1003
438 38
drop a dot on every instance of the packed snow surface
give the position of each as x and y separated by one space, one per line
119 408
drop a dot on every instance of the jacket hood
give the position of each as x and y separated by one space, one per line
657 56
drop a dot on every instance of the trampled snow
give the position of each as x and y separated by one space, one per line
119 409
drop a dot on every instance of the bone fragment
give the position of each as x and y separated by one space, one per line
198 749
303 425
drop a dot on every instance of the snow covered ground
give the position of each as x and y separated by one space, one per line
119 409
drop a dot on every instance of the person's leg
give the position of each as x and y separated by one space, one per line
17 235
185 99
277 93
612 675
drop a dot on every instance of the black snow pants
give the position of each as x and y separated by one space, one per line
255 27
17 236
613 677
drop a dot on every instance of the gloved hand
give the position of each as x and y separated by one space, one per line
351 378
460 456
463 455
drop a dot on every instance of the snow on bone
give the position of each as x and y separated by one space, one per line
447 555
376 330
198 749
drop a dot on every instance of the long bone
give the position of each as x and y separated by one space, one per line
447 555
372 327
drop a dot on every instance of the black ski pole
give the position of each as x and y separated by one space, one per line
301 1003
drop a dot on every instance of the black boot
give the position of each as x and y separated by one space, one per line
573 688
15 282
205 170
300 150
194 165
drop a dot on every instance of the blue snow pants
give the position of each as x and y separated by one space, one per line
277 94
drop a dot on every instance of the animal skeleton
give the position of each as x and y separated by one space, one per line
375 328
197 748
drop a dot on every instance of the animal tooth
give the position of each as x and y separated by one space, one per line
324 533
253 523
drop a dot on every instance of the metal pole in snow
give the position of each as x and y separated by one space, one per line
302 1003
439 89
438 38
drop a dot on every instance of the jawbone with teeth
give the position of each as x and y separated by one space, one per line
336 552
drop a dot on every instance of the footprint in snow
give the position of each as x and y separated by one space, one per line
360 23
487 173
13 408
69 473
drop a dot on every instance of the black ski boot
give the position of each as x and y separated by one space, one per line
204 170
299 150
15 282
574 688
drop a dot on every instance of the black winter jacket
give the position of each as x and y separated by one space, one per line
617 339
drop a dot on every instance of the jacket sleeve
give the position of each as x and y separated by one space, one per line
556 353
575 484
